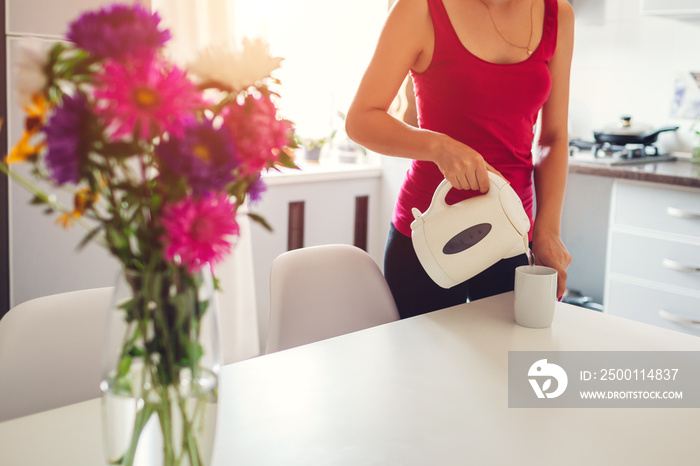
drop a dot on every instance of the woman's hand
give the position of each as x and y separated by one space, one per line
462 166
550 251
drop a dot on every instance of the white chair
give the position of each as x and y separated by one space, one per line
324 291
51 351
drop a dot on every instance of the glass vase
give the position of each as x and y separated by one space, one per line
160 376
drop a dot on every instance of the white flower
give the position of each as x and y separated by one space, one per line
233 68
32 57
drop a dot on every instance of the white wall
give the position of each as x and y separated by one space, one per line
326 45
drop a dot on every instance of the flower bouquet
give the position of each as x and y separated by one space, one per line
157 159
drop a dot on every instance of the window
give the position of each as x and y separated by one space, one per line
326 44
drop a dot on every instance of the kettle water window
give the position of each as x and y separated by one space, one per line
467 238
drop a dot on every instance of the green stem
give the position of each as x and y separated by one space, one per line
42 196
142 417
164 334
190 445
166 426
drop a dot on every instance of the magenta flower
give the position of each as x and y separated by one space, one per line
119 31
258 133
199 231
145 97
67 135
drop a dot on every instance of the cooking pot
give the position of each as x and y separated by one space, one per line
625 132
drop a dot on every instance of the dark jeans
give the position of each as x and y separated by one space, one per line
415 292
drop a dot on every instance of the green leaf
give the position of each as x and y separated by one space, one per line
89 237
37 200
257 218
286 160
124 365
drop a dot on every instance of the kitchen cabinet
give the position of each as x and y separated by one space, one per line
653 258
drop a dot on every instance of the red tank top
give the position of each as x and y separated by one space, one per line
488 106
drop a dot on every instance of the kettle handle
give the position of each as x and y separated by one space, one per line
444 187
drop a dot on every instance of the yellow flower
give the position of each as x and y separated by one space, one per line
83 200
34 121
24 151
66 220
36 113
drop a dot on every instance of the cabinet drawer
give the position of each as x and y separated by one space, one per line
664 261
647 305
659 208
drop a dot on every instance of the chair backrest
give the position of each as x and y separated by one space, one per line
51 351
321 292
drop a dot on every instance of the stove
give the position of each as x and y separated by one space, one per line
609 154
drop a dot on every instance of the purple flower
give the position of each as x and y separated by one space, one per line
65 133
256 189
204 155
118 31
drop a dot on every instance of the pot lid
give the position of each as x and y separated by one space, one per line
624 127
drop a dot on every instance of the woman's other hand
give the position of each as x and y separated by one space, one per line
549 250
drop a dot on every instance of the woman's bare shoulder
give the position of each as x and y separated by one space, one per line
411 8
410 27
566 11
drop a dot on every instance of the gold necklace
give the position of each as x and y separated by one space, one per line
527 47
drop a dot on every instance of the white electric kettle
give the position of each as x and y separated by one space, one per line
456 242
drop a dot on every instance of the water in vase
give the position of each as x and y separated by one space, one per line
182 435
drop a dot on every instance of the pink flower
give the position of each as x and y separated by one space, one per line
199 231
146 97
258 133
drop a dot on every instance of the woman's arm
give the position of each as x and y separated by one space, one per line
551 157
406 43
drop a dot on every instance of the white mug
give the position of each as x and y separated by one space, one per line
535 295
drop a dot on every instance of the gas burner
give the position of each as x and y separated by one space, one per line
613 154
628 151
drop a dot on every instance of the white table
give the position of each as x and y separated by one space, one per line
431 390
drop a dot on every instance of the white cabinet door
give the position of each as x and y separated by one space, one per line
49 17
653 264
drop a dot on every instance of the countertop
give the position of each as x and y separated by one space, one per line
679 173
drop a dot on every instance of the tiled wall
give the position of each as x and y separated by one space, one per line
625 63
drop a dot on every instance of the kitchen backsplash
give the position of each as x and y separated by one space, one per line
626 62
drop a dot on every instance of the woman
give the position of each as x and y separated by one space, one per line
482 70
